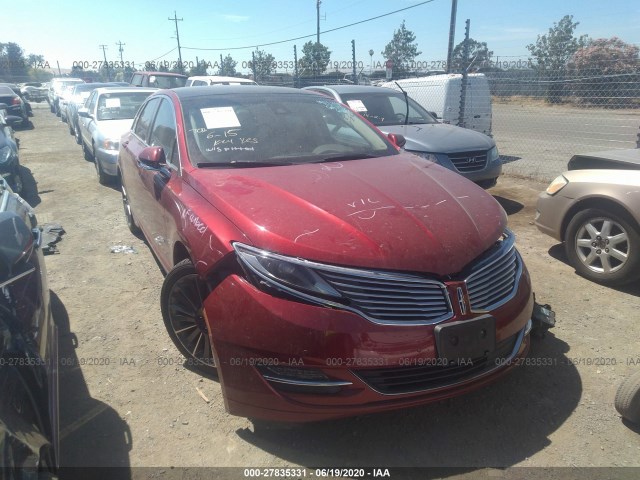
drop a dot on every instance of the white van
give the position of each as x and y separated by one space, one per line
204 80
441 95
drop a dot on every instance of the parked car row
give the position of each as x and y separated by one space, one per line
15 104
28 347
9 162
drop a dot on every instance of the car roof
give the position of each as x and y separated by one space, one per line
220 78
188 92
5 89
102 90
162 74
354 88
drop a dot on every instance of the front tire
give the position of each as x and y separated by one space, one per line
103 178
604 246
627 400
181 301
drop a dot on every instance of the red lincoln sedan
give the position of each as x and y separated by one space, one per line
321 271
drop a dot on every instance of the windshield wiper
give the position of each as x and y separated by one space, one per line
242 164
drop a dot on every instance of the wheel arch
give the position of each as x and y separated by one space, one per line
601 203
180 252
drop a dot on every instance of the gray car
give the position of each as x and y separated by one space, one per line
469 153
108 113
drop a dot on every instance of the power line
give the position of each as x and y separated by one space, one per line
313 34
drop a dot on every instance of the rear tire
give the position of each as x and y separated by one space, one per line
128 213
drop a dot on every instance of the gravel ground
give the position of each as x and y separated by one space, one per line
127 400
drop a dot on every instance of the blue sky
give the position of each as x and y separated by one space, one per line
72 30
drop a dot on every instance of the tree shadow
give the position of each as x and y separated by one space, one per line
497 426
92 434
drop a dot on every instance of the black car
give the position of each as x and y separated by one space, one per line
9 164
28 347
11 96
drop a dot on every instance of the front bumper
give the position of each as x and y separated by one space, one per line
343 356
108 161
550 213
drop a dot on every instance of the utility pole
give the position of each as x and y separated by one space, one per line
120 49
176 20
106 65
318 2
463 86
353 63
295 66
452 34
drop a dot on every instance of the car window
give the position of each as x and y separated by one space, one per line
119 105
143 122
198 82
163 133
91 102
283 128
136 79
161 81
386 108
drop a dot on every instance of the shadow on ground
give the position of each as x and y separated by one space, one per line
498 426
558 253
92 434
510 206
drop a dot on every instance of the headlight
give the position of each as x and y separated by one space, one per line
284 273
5 154
427 156
493 155
557 185
109 144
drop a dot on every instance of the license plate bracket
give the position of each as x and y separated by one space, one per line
466 340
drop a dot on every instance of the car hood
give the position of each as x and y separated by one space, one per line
114 129
399 212
440 138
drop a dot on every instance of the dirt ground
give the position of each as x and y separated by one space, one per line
127 400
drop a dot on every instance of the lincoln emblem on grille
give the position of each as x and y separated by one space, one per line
461 301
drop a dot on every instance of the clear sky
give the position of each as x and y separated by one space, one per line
71 30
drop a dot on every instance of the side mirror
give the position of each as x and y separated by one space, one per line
84 112
433 114
397 139
16 241
153 157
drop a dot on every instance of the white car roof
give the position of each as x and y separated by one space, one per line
213 79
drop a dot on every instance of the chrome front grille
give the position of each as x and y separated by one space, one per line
390 298
495 280
469 161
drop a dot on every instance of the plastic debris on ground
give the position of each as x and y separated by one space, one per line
123 249
51 234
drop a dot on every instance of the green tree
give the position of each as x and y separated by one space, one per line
13 65
606 69
228 67
263 64
402 49
479 56
315 59
552 52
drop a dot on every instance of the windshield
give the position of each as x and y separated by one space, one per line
120 105
276 128
387 108
160 81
